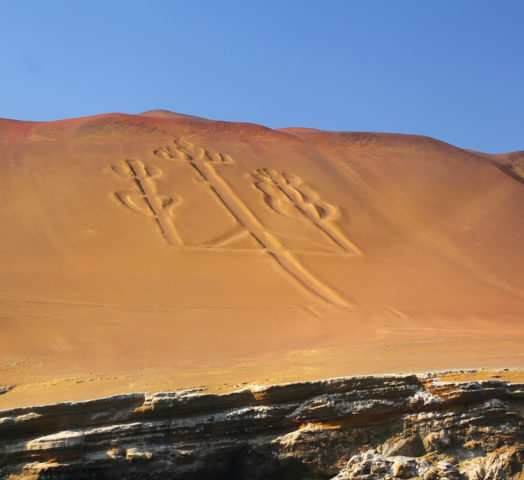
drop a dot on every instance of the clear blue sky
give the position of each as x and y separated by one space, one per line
450 69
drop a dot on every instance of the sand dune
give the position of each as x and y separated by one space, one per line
203 252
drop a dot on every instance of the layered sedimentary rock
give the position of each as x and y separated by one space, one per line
348 428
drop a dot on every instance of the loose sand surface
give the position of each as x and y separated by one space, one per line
162 251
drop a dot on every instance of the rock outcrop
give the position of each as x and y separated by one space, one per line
405 426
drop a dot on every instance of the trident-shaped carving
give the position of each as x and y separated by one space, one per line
146 200
287 195
204 162
185 151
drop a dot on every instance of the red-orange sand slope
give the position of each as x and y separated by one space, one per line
189 251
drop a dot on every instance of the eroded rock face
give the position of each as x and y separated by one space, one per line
350 428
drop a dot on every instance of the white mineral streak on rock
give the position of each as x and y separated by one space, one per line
65 439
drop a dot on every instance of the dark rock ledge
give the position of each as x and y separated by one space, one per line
398 426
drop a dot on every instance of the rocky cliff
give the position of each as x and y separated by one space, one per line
409 426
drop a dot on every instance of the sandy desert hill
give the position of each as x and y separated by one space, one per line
161 250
